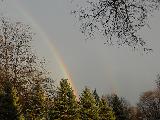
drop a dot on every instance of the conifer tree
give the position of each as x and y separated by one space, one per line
34 107
88 106
119 106
105 112
96 96
65 104
8 109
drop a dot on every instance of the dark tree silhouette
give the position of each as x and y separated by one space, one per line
118 20
120 107
8 110
96 96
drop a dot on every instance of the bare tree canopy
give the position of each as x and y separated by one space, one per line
149 103
121 19
18 61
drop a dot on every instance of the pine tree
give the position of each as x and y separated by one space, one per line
119 106
65 104
8 109
105 112
88 106
34 107
96 96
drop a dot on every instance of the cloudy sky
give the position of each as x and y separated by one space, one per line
90 63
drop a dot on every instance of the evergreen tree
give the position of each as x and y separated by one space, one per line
65 104
88 107
105 112
119 106
96 96
34 107
8 109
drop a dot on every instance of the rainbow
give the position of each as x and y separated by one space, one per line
50 44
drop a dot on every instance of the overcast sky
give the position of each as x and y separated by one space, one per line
90 63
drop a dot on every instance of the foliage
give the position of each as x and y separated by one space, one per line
65 104
97 98
88 106
119 106
34 107
20 67
8 106
19 63
26 92
105 112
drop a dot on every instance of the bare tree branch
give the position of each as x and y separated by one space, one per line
116 18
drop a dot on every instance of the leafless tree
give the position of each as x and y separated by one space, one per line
121 19
20 63
149 103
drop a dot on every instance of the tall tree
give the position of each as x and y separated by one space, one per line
105 112
121 19
19 64
8 108
10 104
65 104
88 106
120 107
34 105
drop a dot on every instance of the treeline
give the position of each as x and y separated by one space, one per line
28 93
65 106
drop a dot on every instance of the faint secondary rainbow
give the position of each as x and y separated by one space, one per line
51 46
